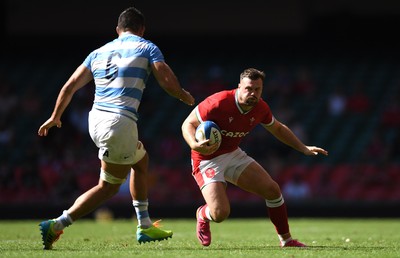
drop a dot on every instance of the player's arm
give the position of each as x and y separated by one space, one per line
78 79
285 135
188 131
169 82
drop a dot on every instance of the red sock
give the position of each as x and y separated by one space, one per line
278 216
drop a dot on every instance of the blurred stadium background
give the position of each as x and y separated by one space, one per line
333 76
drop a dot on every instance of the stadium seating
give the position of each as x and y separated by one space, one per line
347 136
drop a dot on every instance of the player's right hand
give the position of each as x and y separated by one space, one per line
206 149
44 129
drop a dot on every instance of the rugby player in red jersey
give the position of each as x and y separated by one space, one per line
237 112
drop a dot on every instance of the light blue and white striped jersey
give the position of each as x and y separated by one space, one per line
120 70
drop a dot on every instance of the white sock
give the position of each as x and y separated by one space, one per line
63 221
284 241
207 212
142 213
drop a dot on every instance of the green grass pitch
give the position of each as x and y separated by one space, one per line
232 238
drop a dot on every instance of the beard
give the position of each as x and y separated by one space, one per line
251 101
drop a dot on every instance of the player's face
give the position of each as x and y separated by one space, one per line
250 92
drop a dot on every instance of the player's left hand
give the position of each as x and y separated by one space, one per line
188 98
44 129
313 151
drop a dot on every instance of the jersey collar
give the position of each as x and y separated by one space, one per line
127 34
237 104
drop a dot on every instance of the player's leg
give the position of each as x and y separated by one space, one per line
146 230
107 187
217 209
256 180
112 176
210 177
117 138
117 143
138 186
217 206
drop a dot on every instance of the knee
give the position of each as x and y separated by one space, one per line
109 189
275 188
220 214
273 191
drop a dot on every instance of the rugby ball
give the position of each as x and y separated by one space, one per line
208 130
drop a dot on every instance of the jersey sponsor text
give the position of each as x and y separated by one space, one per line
234 134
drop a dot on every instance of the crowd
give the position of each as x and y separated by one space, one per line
358 126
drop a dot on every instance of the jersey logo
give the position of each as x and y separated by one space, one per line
252 119
105 152
230 119
234 134
210 172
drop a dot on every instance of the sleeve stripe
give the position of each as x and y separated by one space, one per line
270 123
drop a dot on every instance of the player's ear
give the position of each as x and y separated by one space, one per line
117 30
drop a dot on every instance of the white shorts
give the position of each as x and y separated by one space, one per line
226 167
115 135
140 152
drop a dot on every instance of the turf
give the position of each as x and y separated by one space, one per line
232 238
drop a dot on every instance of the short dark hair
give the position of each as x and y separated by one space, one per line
252 74
131 19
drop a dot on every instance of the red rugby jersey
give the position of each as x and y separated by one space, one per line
223 109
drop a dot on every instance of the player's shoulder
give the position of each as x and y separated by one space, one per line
216 99
104 48
221 95
263 103
143 42
262 110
